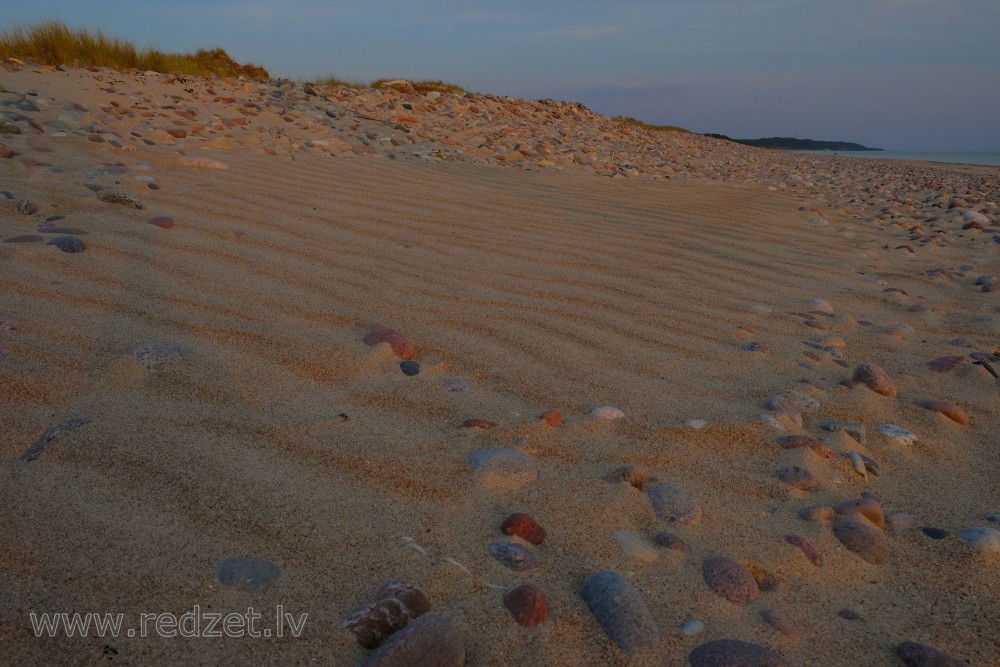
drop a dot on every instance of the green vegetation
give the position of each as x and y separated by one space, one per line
52 43
425 86
627 120
788 143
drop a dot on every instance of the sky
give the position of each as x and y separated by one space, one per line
921 75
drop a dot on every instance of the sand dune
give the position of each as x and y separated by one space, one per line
283 436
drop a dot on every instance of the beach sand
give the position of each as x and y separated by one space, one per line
272 430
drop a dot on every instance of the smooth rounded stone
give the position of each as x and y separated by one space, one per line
915 654
867 507
822 305
817 513
154 356
502 468
395 604
25 238
730 579
429 641
952 411
777 620
552 417
734 653
636 547
875 378
523 526
897 434
863 539
527 605
976 216
248 573
409 368
945 364
673 504
935 533
797 477
692 628
607 412
620 611
457 385
68 243
986 540
119 197
858 463
807 548
511 555
162 221
670 541
401 347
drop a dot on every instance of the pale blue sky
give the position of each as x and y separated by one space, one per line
898 74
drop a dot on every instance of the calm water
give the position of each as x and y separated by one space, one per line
958 158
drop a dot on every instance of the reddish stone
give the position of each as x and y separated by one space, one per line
867 507
177 132
954 412
807 548
552 417
6 151
162 221
400 345
527 605
523 526
479 423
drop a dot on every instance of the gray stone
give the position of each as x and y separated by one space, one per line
502 468
620 611
673 504
429 641
734 653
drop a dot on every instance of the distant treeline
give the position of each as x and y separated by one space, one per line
789 143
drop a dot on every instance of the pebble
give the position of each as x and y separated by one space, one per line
621 612
849 615
934 533
162 221
993 517
395 604
119 197
797 477
673 504
45 440
48 229
409 367
401 347
429 641
527 605
670 541
777 620
952 411
514 556
552 417
821 305
945 364
734 653
730 579
692 628
636 547
479 423
867 507
897 434
986 540
25 238
70 244
607 412
523 526
817 513
25 206
247 573
796 441
807 548
503 469
155 356
862 538
915 654
457 385
875 379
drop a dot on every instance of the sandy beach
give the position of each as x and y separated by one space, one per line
196 379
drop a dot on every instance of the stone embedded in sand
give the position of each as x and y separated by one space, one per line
25 238
69 244
692 628
821 305
552 417
915 654
621 612
636 547
397 341
43 441
25 206
607 412
457 385
945 364
248 573
867 507
757 346
527 605
503 469
796 441
976 216
730 579
49 229
119 197
797 477
777 620
952 411
897 434
478 423
637 476
523 526
162 221
673 504
986 540
807 548
6 151
854 429
514 556
734 653
670 541
787 409
155 356
862 538
409 367
394 606
429 641
875 379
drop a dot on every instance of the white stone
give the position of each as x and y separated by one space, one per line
987 540
821 305
976 216
607 412
897 434
693 627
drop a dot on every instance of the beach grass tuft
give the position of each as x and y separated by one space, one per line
628 120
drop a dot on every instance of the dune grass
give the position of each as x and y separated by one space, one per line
628 120
53 43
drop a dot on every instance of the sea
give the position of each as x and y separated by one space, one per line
980 158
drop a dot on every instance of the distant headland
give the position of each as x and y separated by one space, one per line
788 143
